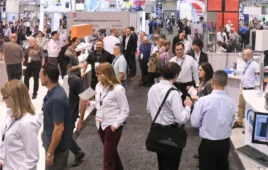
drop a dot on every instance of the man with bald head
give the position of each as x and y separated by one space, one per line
187 44
145 49
110 41
13 57
247 83
34 55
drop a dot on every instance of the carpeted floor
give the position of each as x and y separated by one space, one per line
132 144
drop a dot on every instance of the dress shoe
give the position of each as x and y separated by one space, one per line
196 156
243 132
78 158
236 125
34 96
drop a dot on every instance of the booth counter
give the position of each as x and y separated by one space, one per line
254 103
233 87
3 73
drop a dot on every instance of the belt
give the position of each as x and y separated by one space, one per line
248 88
222 140
176 125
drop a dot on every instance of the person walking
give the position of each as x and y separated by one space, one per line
172 114
53 48
214 115
57 129
19 148
112 111
13 57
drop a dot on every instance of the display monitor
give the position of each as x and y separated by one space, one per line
260 128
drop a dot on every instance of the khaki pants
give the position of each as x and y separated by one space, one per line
241 108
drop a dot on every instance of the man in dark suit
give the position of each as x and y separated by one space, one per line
197 52
130 47
96 57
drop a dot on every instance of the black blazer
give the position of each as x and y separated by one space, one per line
132 44
203 56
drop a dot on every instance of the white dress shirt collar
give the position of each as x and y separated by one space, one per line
218 92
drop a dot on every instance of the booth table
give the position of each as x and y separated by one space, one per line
233 87
254 103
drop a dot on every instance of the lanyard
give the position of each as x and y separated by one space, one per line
181 61
115 59
6 129
101 99
247 67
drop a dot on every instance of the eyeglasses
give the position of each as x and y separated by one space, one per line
5 97
180 49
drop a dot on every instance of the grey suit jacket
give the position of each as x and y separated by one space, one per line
206 90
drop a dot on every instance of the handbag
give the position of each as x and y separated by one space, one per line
166 139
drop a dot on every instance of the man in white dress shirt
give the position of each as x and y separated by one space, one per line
110 41
247 83
228 25
173 113
189 69
53 48
186 43
221 35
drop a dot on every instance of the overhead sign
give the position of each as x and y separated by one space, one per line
57 5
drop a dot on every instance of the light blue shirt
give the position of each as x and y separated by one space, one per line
251 68
120 66
214 115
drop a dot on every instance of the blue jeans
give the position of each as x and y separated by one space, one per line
124 84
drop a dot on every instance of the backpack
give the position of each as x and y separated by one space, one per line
154 64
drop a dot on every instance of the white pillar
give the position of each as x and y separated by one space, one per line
41 21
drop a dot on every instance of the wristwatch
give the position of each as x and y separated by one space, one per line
49 154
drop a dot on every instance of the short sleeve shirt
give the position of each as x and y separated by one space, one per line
73 60
120 66
56 109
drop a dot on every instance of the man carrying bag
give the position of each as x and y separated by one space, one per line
167 136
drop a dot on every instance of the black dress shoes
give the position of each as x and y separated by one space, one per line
34 96
78 158
236 125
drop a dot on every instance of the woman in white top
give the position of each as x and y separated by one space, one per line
112 111
41 40
19 149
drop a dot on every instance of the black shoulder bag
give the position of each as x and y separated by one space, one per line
167 139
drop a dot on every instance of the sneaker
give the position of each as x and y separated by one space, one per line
78 158
236 125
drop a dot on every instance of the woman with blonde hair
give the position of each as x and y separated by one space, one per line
112 111
19 148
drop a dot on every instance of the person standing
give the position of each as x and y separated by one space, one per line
57 130
40 38
197 52
20 129
63 65
13 57
53 48
34 55
112 111
120 65
222 36
172 114
214 115
7 31
187 44
176 40
189 74
96 57
74 66
145 50
110 41
247 83
130 47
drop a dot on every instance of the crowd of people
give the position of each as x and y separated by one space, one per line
113 63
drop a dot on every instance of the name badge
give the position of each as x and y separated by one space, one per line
29 59
141 56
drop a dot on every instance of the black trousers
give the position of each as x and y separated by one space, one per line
63 68
183 86
14 71
169 161
33 68
144 70
74 148
213 155
131 62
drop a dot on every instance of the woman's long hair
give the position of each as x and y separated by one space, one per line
19 98
108 70
208 71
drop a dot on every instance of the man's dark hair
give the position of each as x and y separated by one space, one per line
99 40
120 47
54 32
208 70
179 44
220 78
163 36
171 70
198 42
131 28
51 71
